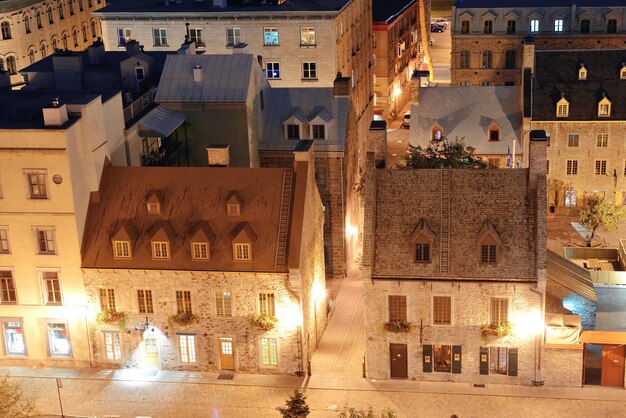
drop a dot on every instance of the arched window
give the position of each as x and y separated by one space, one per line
70 4
487 59
31 56
93 29
90 3
27 24
55 45
11 65
64 38
84 31
42 49
80 5
6 30
60 9
50 16
75 37
38 18
2 65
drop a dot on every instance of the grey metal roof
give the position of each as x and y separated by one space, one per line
571 276
463 4
160 122
281 103
468 112
225 79
206 7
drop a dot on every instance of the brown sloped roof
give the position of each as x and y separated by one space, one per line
193 200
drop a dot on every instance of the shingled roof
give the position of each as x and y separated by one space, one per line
556 74
193 202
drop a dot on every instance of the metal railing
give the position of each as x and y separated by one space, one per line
139 105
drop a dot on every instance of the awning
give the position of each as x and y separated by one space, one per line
603 337
160 122
571 276
562 329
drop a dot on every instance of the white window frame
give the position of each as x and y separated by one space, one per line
51 349
148 301
534 26
4 327
197 35
159 37
267 303
242 251
112 345
305 36
604 109
46 277
121 249
318 125
48 239
268 348
270 36
272 70
496 319
571 167
37 183
139 70
160 250
5 247
559 25
235 35
107 299
223 303
289 127
602 140
123 35
186 348
186 305
309 70
199 250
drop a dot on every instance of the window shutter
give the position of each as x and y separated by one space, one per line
484 360
456 359
512 361
428 358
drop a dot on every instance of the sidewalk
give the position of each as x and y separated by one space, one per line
320 382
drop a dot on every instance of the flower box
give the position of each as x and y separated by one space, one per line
398 326
265 322
501 329
184 318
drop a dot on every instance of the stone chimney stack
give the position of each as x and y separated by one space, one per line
537 158
528 58
187 48
132 47
55 114
341 86
96 53
197 73
218 155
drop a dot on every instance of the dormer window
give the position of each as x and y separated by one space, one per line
604 107
160 250
562 107
200 250
422 239
243 238
153 202
582 72
318 123
201 236
494 132
436 133
242 252
488 244
622 72
293 131
154 208
318 132
233 203
121 249
293 124
233 209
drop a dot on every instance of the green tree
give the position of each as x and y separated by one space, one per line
366 413
443 153
598 213
13 403
296 406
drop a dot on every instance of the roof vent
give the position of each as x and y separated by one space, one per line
197 73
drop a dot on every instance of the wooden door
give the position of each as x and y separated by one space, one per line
613 365
398 360
227 353
150 352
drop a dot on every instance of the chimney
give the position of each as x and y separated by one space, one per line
187 48
55 114
528 59
537 158
68 70
197 73
241 48
419 79
132 47
5 80
341 86
96 53
218 155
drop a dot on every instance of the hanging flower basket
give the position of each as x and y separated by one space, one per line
265 322
501 329
398 326
183 318
111 317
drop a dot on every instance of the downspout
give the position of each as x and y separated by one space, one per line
538 381
344 267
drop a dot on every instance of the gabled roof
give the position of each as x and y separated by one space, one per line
468 112
422 229
297 114
461 4
225 79
556 72
489 230
322 113
196 199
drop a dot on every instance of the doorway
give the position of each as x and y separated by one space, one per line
613 365
150 352
398 361
227 353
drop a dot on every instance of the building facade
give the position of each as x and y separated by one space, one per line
397 47
224 274
454 287
488 40
577 99
33 29
49 166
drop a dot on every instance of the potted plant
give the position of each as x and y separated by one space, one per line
500 329
398 326
108 316
183 318
264 321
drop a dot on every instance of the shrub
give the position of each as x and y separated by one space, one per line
265 322
296 406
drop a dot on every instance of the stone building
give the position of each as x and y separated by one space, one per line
488 119
33 29
52 152
488 39
206 268
578 99
397 47
465 262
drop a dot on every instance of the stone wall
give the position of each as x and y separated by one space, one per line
245 288
377 140
563 367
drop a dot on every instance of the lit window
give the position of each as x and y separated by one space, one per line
307 36
442 310
58 339
112 345
233 36
187 347
582 72
233 209
499 311
498 360
121 249
436 133
14 342
422 252
266 304
45 241
572 167
242 252
602 140
270 36
604 108
160 250
223 303
4 240
51 288
534 26
200 250
600 168
7 287
442 358
622 72
272 70
183 301
562 108
144 301
309 70
269 352
570 198
107 300
558 25
37 185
